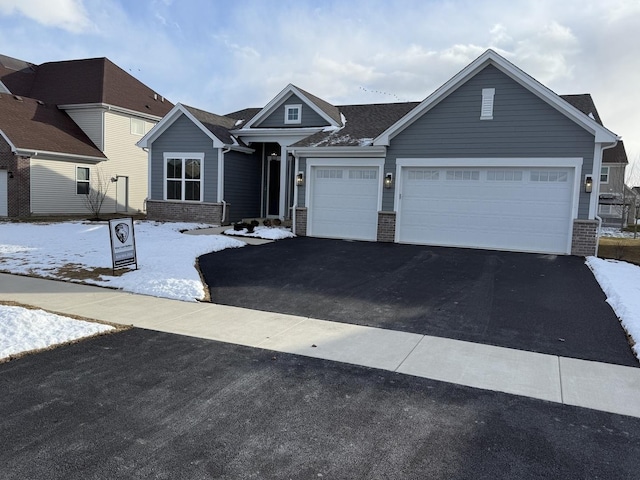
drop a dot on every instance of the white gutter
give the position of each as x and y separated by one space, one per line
295 190
221 153
597 168
72 156
107 106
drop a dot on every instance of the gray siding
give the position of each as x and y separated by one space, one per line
309 117
242 177
184 136
523 125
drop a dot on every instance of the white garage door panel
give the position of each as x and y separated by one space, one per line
3 194
344 202
515 214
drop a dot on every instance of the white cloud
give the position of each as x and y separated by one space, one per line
68 15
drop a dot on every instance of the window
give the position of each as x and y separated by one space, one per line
548 176
137 126
486 111
463 175
424 174
363 174
292 113
82 180
604 175
183 177
504 175
329 173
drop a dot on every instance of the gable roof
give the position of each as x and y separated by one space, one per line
216 127
327 111
602 135
32 126
81 82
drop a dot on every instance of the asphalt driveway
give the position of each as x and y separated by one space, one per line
142 404
542 303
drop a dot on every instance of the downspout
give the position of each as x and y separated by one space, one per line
221 153
597 171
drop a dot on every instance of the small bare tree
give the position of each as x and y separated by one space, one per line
98 188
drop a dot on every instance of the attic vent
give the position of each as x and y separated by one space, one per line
18 97
486 111
155 96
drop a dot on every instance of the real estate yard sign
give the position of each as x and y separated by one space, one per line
123 242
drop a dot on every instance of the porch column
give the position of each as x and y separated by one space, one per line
282 210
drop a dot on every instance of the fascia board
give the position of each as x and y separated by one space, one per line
26 152
109 107
6 139
352 152
314 107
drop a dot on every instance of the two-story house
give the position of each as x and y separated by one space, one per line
65 126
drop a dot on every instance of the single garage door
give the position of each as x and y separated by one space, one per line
520 209
344 202
3 194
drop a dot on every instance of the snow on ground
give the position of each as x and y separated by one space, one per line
268 233
166 257
22 330
620 281
616 233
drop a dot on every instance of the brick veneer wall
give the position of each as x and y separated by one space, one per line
386 226
301 222
585 237
18 187
185 212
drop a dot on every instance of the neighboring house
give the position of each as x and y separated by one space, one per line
102 107
492 159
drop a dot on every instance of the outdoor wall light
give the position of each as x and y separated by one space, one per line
273 156
588 183
10 174
388 180
300 179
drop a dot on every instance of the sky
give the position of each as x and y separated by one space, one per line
223 56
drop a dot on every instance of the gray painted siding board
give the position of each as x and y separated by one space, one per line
184 136
523 125
309 117
302 190
242 179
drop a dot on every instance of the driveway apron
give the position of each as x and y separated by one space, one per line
542 303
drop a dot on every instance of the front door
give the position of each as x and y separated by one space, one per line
122 194
273 187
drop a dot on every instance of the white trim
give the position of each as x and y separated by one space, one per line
182 156
342 152
23 152
282 97
296 107
574 163
6 139
4 89
336 162
602 135
608 174
88 181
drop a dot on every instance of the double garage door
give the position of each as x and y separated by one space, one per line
522 209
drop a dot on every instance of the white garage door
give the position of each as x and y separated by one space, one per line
521 209
344 202
3 194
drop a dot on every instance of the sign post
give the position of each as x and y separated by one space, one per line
123 243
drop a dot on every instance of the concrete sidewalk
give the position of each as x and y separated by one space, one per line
600 386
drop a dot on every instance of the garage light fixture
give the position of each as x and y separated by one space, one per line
388 180
300 179
10 174
588 183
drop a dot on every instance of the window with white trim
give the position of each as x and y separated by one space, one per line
83 180
604 175
292 113
486 111
137 126
183 177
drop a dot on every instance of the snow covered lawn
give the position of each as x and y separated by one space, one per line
81 252
23 330
620 281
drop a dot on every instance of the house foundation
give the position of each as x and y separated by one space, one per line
185 212
585 238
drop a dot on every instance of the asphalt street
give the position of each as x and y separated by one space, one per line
142 404
540 303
